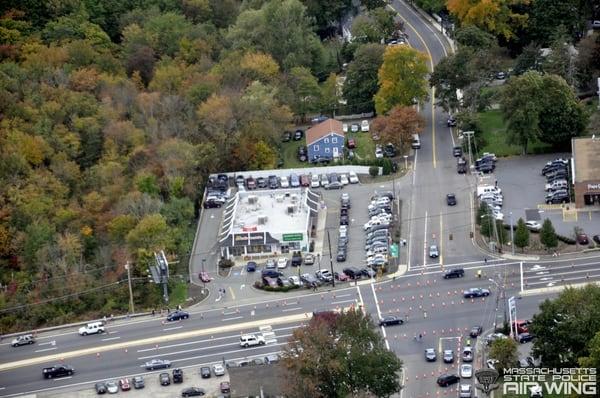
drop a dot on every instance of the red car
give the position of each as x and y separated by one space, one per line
204 277
582 239
125 386
351 143
304 180
340 276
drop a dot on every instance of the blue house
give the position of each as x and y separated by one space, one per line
325 140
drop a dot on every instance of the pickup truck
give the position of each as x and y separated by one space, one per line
57 371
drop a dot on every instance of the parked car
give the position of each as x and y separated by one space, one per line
205 372
298 134
451 122
177 375
582 239
334 185
364 126
295 280
309 280
352 272
261 182
340 276
286 136
251 266
304 180
282 262
534 226
164 379
218 369
112 387
524 337
193 392
138 382
596 238
225 387
355 127
100 388
457 151
309 259
351 143
353 178
344 179
124 384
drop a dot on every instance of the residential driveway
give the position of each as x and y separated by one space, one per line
523 188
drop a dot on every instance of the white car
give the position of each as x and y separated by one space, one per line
294 280
353 178
315 182
91 328
345 196
433 251
465 391
355 127
345 127
282 262
218 369
285 183
112 387
533 226
378 153
343 229
373 222
466 370
344 179
364 126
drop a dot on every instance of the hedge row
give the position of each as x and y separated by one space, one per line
261 286
566 239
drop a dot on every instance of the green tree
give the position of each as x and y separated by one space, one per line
147 183
306 91
529 59
328 14
593 359
521 235
548 235
454 72
178 212
587 63
151 233
361 79
506 352
402 78
482 212
548 16
566 327
373 4
329 94
337 355
432 6
472 36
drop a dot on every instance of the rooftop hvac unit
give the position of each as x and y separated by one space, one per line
294 198
262 220
290 209
279 198
252 199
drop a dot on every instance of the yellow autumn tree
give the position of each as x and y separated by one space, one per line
402 78
495 16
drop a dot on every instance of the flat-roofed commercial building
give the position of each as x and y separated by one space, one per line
586 172
268 222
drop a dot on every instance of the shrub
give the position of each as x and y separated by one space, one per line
225 263
267 288
374 171
566 239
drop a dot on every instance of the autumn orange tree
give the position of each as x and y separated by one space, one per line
495 16
398 125
402 78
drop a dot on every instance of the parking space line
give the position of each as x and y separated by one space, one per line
425 242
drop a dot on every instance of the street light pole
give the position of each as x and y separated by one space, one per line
512 237
203 283
330 259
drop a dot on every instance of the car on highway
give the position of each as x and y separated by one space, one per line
25 339
475 331
249 340
218 369
466 370
157 364
457 152
282 263
476 292
177 315
465 391
112 387
100 388
447 379
390 320
55 371
433 251
92 328
124 384
430 355
524 337
193 392
205 372
454 273
138 382
251 266
451 122
204 277
448 356
177 375
467 354
451 199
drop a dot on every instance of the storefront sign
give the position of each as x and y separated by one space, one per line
292 237
593 187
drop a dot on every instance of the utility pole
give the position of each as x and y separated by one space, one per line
203 283
330 259
469 134
131 309
512 237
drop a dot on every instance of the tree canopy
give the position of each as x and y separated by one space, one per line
339 354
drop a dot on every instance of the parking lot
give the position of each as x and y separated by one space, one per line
523 188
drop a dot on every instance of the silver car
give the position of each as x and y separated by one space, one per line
157 364
433 251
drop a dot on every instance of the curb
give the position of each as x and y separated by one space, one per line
555 289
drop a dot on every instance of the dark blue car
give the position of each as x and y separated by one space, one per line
250 266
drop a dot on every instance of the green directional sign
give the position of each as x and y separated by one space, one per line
394 250
292 237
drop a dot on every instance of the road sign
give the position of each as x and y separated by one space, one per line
394 250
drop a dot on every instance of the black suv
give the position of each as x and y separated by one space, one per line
561 196
352 272
454 273
273 182
177 375
271 273
298 134
457 151
261 182
296 259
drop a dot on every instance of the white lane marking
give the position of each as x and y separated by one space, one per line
63 378
425 242
232 318
292 309
341 302
362 303
46 349
230 313
112 338
237 343
387 344
342 295
173 328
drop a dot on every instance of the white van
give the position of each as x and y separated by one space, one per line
416 142
91 328
249 340
488 189
314 181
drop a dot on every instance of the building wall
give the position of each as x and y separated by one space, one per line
583 188
325 147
